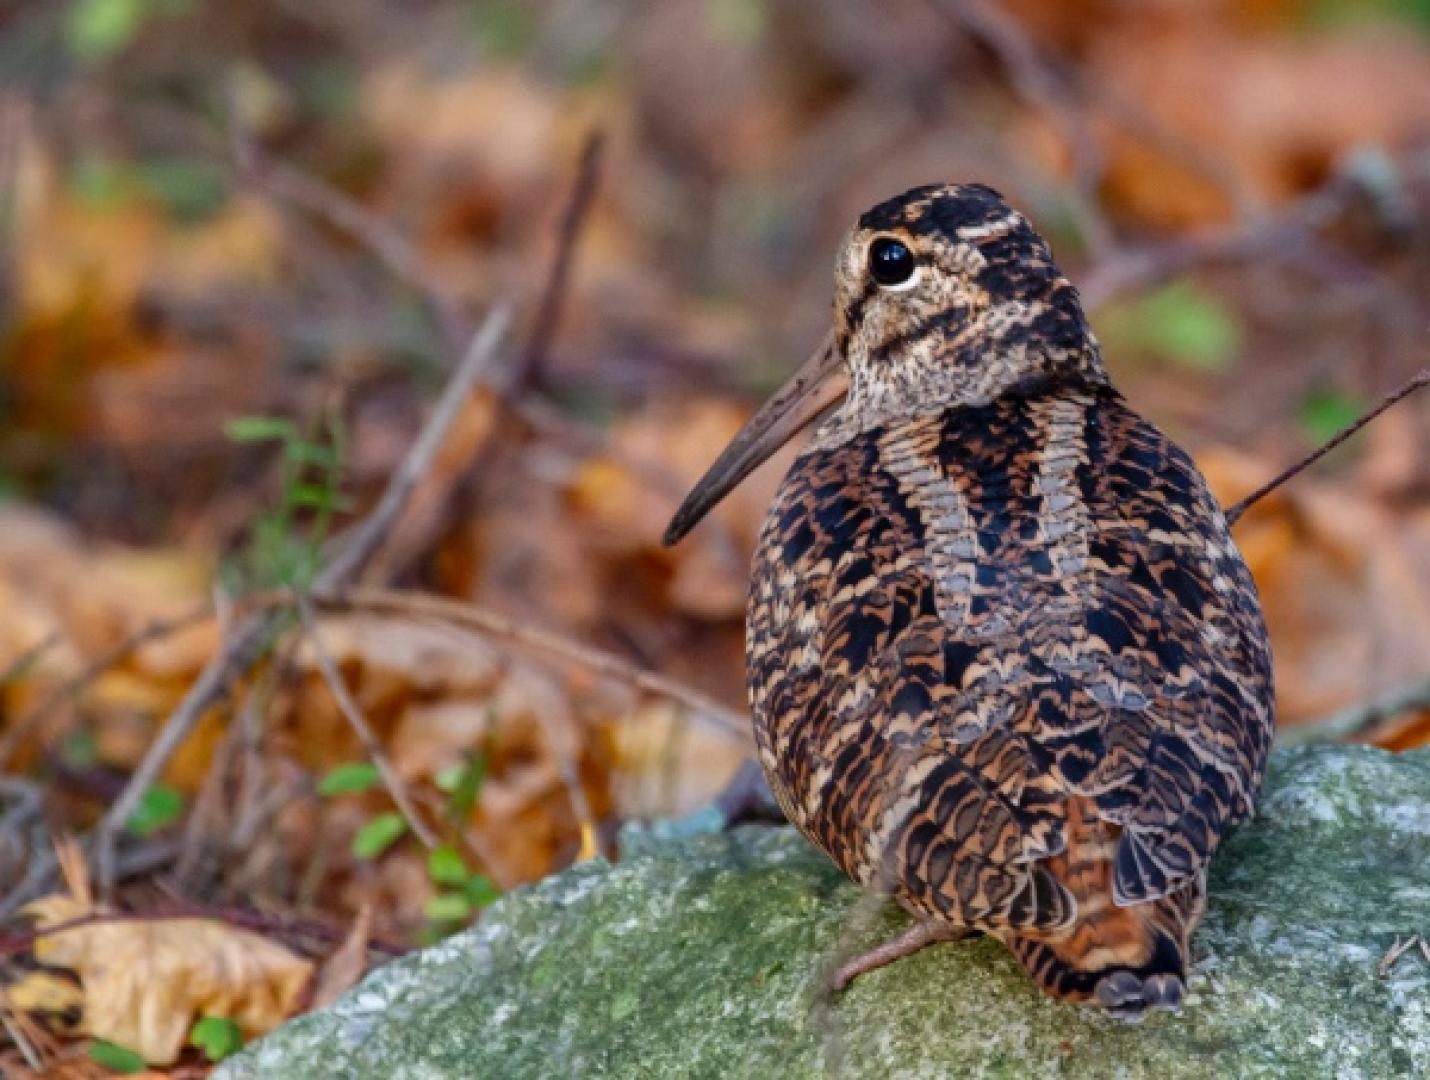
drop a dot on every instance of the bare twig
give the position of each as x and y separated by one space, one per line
27 659
1234 512
532 371
25 798
358 722
1038 84
350 217
1289 233
218 789
491 624
253 633
23 1032
140 858
362 542
1358 720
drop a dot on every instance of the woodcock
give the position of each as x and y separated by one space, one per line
1005 662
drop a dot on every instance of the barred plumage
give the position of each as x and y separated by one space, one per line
1004 659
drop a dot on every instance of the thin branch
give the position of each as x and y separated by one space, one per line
1034 79
372 745
25 798
532 370
1358 720
142 858
362 542
27 659
1234 512
253 634
351 218
1288 233
491 624
24 1033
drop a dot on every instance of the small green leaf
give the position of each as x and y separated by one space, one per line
99 182
115 1058
1179 323
464 785
739 20
1189 327
448 907
217 1036
79 750
504 28
1326 412
189 190
96 29
350 778
448 778
309 453
160 806
480 890
378 835
446 867
317 497
248 429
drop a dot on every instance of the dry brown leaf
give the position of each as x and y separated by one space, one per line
348 963
1345 582
145 981
44 993
1282 110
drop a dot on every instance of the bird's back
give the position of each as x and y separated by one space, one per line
1007 665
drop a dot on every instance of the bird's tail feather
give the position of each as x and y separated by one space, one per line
1126 959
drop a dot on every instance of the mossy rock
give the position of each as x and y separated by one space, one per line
707 957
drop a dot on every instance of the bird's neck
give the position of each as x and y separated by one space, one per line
919 393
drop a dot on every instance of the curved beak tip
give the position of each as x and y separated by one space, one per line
817 385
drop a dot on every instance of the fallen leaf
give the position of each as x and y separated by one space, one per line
146 981
348 963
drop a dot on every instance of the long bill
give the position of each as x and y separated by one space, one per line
819 383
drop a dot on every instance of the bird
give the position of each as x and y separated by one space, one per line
1005 663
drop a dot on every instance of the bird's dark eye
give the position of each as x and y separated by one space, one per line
890 261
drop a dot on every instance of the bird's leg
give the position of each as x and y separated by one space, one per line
910 941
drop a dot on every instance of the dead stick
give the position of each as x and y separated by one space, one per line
1034 80
358 722
1234 512
367 537
1283 235
27 659
553 296
253 634
491 624
351 218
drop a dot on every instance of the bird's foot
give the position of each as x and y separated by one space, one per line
910 941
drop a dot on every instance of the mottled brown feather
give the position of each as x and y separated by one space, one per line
1004 659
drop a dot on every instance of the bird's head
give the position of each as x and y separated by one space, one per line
944 296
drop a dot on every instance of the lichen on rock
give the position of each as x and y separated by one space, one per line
709 957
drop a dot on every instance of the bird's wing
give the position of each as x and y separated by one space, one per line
871 748
957 626
1182 666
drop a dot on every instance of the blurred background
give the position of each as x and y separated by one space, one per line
243 247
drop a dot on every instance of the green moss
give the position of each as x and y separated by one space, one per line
708 957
